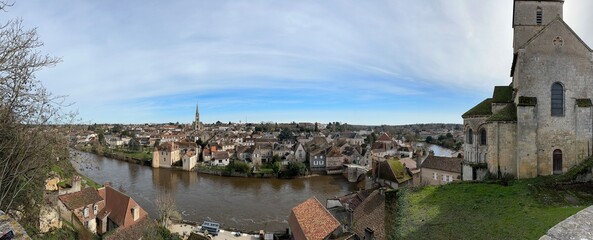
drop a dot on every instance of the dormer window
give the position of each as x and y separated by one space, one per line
85 212
539 16
135 213
95 209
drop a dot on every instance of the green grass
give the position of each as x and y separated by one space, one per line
478 211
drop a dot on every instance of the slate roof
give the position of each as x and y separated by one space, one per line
356 198
80 199
370 214
310 220
449 164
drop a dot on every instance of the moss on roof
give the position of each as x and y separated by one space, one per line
584 102
507 114
482 109
502 94
398 169
527 101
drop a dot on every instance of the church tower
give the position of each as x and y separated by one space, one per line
531 16
197 126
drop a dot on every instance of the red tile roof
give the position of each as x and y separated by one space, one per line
120 207
135 231
384 137
80 199
310 220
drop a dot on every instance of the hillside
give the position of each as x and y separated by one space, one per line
524 209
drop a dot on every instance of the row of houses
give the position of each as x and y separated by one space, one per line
321 155
361 214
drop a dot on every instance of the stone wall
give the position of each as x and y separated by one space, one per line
543 63
501 148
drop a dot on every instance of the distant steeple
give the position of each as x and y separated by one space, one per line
197 126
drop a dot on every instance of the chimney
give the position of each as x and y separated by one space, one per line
105 184
76 183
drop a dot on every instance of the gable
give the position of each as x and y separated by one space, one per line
557 33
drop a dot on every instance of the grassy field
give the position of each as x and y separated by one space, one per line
523 210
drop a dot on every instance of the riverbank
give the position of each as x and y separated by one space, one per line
200 168
140 158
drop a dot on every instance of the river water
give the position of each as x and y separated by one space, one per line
438 150
242 203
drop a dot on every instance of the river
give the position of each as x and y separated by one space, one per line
242 203
438 150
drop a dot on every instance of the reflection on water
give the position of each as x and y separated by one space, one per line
242 203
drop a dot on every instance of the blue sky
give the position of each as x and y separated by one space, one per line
359 62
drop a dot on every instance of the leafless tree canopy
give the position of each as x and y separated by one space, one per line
28 145
167 208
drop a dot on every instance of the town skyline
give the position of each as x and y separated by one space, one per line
359 63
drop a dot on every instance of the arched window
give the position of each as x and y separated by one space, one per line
557 161
557 100
539 16
470 136
483 137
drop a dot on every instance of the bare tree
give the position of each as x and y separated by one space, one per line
28 142
167 208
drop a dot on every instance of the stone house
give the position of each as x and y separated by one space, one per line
206 155
189 160
351 155
220 158
441 170
334 161
541 123
165 155
393 174
81 208
317 159
300 154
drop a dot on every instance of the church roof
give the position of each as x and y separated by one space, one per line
502 94
481 110
507 114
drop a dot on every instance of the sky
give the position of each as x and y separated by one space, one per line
356 62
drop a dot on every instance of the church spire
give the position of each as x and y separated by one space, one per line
197 120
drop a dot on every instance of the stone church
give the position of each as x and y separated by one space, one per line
540 124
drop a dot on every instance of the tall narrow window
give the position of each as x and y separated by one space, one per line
538 16
470 136
557 101
557 161
483 137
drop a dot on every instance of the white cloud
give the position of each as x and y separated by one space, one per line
124 52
